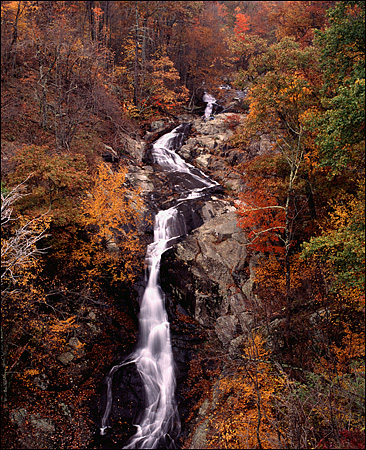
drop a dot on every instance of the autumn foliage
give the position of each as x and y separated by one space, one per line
77 76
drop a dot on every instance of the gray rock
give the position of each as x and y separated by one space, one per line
319 316
199 439
236 346
42 425
134 147
77 346
188 249
215 256
206 405
66 358
18 415
203 161
214 208
95 329
265 144
226 328
158 125
140 179
34 431
41 381
75 343
91 315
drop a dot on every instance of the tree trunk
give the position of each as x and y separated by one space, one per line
136 67
90 6
4 375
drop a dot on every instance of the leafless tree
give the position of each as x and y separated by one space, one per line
20 247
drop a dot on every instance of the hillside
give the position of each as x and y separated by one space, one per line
265 288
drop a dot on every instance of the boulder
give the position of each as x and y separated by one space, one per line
140 178
34 431
66 358
135 147
226 328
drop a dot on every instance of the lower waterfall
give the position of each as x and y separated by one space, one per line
159 422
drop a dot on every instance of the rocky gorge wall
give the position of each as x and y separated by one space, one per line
210 272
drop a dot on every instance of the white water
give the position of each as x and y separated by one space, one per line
210 100
154 357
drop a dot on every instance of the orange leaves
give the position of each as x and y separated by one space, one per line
163 84
110 204
243 413
299 19
263 219
111 212
241 25
63 325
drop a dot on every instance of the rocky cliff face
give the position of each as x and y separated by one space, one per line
209 272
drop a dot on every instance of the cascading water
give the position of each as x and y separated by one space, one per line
153 357
210 100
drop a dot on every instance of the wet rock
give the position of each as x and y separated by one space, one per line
207 269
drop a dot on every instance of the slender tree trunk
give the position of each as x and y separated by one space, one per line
90 6
4 375
11 57
136 67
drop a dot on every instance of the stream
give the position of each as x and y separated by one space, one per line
159 425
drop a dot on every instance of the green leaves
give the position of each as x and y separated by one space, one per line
341 138
342 44
342 244
341 128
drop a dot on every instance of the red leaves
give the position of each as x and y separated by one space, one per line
263 219
241 25
261 211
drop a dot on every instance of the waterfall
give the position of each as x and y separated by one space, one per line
210 100
153 357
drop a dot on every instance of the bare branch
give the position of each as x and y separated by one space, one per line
20 249
259 208
258 233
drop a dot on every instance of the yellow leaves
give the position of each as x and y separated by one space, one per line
111 213
243 413
62 326
31 372
131 110
111 203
